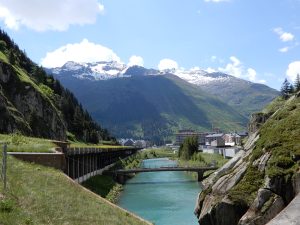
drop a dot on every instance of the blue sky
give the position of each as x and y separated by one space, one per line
258 40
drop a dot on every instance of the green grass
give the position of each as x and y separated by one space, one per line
87 145
105 186
20 143
245 191
159 153
204 159
280 136
41 195
3 57
274 105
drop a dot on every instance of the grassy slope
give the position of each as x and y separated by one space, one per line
280 136
20 143
244 96
40 195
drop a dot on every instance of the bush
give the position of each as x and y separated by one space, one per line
18 139
283 162
6 205
188 148
197 157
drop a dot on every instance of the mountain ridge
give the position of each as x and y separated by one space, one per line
34 103
151 107
245 96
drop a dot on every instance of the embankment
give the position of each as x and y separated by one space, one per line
259 182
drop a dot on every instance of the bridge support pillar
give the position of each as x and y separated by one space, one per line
120 178
200 176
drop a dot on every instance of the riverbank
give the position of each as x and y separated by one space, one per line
105 186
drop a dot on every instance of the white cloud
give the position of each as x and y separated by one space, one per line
166 64
284 49
195 68
236 68
233 68
136 61
84 51
210 70
213 58
251 73
284 36
216 1
42 15
293 70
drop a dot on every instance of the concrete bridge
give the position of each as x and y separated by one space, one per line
121 174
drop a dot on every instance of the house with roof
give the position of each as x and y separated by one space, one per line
183 134
243 134
217 139
232 139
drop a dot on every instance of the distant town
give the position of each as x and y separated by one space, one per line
214 142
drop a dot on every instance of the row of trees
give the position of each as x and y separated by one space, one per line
287 88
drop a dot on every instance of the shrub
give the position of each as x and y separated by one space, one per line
6 205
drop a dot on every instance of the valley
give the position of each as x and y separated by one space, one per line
148 104
149 112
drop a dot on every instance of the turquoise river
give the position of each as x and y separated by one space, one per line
163 198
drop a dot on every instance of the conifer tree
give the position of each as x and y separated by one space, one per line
291 89
297 83
285 89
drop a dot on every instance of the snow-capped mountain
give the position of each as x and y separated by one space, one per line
91 71
201 77
243 95
139 102
110 70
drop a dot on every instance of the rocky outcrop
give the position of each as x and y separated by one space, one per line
256 214
256 121
25 108
255 185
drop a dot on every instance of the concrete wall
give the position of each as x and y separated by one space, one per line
231 152
56 160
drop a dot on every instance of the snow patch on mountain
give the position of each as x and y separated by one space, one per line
200 77
110 70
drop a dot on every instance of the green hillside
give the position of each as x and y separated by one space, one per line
42 195
33 103
244 96
267 172
152 107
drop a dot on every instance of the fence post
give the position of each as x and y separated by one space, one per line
4 166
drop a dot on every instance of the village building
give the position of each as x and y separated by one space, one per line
232 139
183 134
215 137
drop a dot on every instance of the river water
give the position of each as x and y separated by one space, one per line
164 198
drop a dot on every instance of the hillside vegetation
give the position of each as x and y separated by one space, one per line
264 179
152 107
244 96
33 103
42 195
